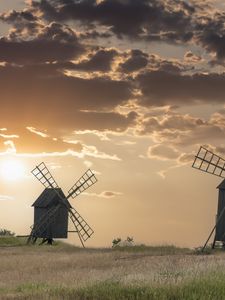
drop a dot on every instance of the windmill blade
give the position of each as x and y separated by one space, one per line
209 162
42 173
85 181
82 227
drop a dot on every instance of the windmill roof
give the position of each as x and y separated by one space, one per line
221 186
49 197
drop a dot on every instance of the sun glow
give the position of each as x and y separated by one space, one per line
12 170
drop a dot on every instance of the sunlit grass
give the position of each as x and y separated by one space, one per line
141 272
7 241
210 287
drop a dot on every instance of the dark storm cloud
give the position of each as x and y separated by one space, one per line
94 34
163 88
55 42
39 89
172 21
23 23
36 51
101 60
156 62
104 121
214 42
210 33
136 61
132 18
16 17
54 100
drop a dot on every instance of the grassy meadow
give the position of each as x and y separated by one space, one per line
66 272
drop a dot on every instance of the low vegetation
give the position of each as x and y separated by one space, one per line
139 272
6 232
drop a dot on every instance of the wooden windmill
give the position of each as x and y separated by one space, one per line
52 208
211 163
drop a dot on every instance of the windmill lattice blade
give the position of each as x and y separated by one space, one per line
82 184
42 173
81 225
209 162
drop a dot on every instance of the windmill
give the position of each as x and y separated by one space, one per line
211 163
52 208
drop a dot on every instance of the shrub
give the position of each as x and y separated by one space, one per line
5 232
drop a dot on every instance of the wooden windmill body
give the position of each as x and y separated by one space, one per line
58 228
220 228
52 209
208 162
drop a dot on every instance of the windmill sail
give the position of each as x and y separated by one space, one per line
83 183
209 162
42 173
81 225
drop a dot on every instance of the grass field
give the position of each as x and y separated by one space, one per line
67 272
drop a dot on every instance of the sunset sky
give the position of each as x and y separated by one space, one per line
128 88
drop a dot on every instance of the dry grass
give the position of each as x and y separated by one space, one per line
26 269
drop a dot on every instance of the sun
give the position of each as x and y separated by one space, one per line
12 169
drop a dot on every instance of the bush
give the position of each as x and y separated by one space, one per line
5 232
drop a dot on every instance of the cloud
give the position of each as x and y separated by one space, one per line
99 92
104 194
190 57
9 136
17 17
55 42
136 61
6 198
162 88
10 147
23 23
170 121
181 130
102 135
32 143
92 151
34 130
186 158
55 75
162 152
89 151
136 19
211 34
79 103
101 60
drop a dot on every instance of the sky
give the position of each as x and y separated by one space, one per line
128 88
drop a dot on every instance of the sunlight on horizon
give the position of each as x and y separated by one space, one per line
12 170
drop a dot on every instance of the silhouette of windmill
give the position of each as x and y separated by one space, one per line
211 163
52 208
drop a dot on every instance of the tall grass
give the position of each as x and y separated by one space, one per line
67 272
210 287
9 240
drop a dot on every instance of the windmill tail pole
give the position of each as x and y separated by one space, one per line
217 221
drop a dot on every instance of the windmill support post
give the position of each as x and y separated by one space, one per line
214 228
